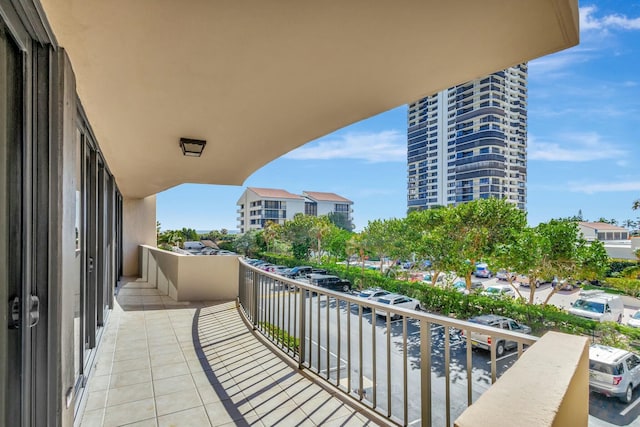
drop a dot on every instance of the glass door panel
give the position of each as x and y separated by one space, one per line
13 336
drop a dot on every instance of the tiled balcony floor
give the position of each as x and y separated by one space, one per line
164 363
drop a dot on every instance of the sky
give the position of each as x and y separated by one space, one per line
583 142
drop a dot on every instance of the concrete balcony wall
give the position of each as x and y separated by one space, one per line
189 277
138 228
548 386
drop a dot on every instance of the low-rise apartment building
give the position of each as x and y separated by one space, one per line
603 231
259 206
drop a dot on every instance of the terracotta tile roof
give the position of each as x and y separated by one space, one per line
274 193
325 197
602 226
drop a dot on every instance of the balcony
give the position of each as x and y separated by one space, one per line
291 353
164 363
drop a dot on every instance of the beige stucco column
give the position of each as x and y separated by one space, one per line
138 228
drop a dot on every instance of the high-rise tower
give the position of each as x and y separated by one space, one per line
469 142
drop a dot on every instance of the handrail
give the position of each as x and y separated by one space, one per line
395 368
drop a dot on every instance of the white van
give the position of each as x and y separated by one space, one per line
601 307
194 245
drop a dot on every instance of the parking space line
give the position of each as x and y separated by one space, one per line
626 410
414 422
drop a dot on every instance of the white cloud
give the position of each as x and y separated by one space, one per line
589 22
559 64
385 146
605 187
576 147
560 61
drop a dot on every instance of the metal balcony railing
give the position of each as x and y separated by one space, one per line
416 370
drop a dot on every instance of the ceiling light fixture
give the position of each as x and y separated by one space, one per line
192 147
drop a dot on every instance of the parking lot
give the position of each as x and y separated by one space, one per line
603 411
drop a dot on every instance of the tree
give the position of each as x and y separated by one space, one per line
611 221
478 227
629 223
340 220
378 237
297 232
246 243
321 227
189 234
525 253
270 232
335 243
356 246
429 239
401 238
569 255
636 205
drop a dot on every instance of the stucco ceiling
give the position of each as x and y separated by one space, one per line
259 78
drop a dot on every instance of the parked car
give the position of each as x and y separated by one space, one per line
428 279
634 321
316 271
282 270
396 300
483 341
333 283
598 306
461 286
499 291
224 252
504 274
564 284
267 266
482 270
613 372
301 270
524 281
372 294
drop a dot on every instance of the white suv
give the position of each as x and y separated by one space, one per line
613 372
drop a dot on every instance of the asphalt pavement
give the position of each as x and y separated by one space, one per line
327 352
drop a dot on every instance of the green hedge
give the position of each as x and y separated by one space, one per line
627 286
616 266
449 302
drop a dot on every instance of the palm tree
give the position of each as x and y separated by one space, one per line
629 223
636 205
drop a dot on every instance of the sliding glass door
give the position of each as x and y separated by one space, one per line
12 293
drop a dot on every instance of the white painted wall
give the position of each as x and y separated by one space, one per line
138 228
190 277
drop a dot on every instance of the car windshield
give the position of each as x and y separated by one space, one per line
595 307
604 367
384 301
366 294
636 315
492 290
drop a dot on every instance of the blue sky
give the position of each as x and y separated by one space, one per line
583 142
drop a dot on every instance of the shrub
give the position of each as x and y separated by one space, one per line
450 302
628 286
617 265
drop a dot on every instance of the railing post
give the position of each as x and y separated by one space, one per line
425 371
254 282
302 327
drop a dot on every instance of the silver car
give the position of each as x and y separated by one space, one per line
613 372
